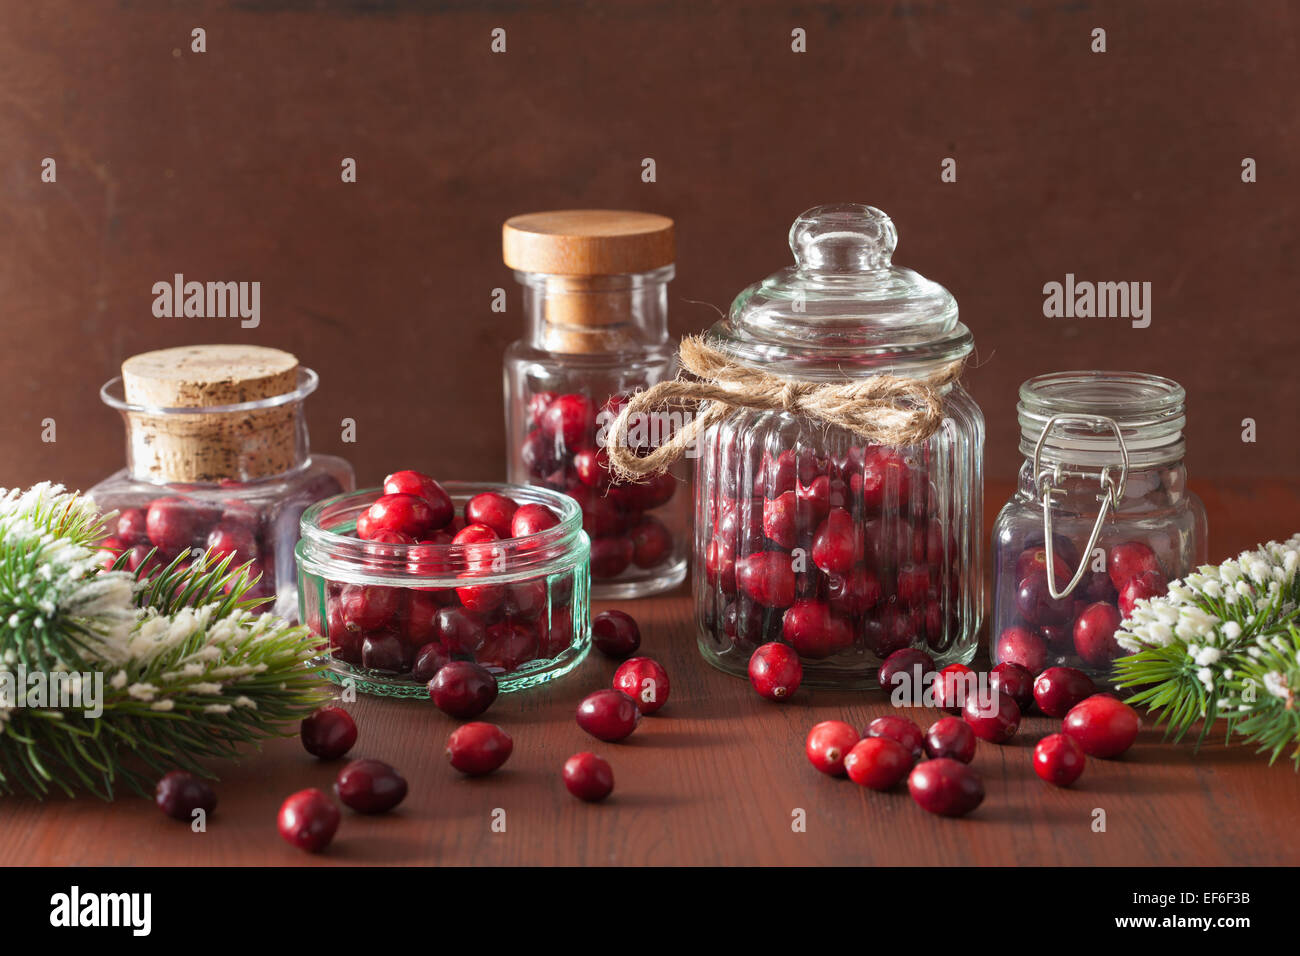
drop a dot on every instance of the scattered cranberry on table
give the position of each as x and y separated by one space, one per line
775 671
1058 689
588 777
1102 726
329 733
1014 681
995 720
608 715
463 689
950 737
952 686
308 819
615 634
178 794
900 729
916 664
645 681
478 748
828 743
879 763
1059 760
370 786
946 787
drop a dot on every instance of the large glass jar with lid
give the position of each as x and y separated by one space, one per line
595 293
807 534
1101 517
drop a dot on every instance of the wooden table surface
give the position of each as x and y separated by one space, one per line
715 779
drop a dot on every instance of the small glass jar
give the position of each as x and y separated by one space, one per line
808 534
595 288
393 613
1101 517
217 456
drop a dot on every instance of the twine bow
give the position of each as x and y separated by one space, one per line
885 409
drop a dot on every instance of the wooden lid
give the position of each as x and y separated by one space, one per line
588 242
199 376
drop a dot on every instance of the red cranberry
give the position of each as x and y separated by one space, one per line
1013 681
570 422
509 646
173 524
890 632
767 577
885 479
538 403
997 727
525 600
610 557
419 620
813 631
913 584
952 686
828 744
308 820
1035 559
463 689
1059 638
477 748
1036 604
329 733
459 631
855 593
898 729
422 486
781 520
833 548
1102 726
1144 586
946 787
480 598
370 786
492 509
1094 634
1058 689
532 519
133 526
385 652
1018 645
645 681
592 467
368 607
588 777
952 738
608 715
179 794
405 514
911 661
877 762
429 659
1058 759
775 671
1126 561
651 542
615 634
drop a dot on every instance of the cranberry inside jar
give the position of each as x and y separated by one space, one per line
595 306
398 604
1110 441
808 533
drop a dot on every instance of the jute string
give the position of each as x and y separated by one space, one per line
885 409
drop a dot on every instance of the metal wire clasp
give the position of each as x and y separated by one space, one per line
1047 479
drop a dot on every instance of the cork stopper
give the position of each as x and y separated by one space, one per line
587 257
244 444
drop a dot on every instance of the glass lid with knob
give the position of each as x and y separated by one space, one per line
843 310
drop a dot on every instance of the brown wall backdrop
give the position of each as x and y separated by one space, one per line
225 165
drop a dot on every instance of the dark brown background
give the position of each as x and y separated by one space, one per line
225 166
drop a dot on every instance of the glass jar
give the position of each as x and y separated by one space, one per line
1101 517
394 613
595 288
807 534
217 456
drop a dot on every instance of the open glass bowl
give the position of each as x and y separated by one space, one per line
518 606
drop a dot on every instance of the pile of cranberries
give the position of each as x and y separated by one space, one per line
562 451
1079 628
834 555
414 632
154 533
